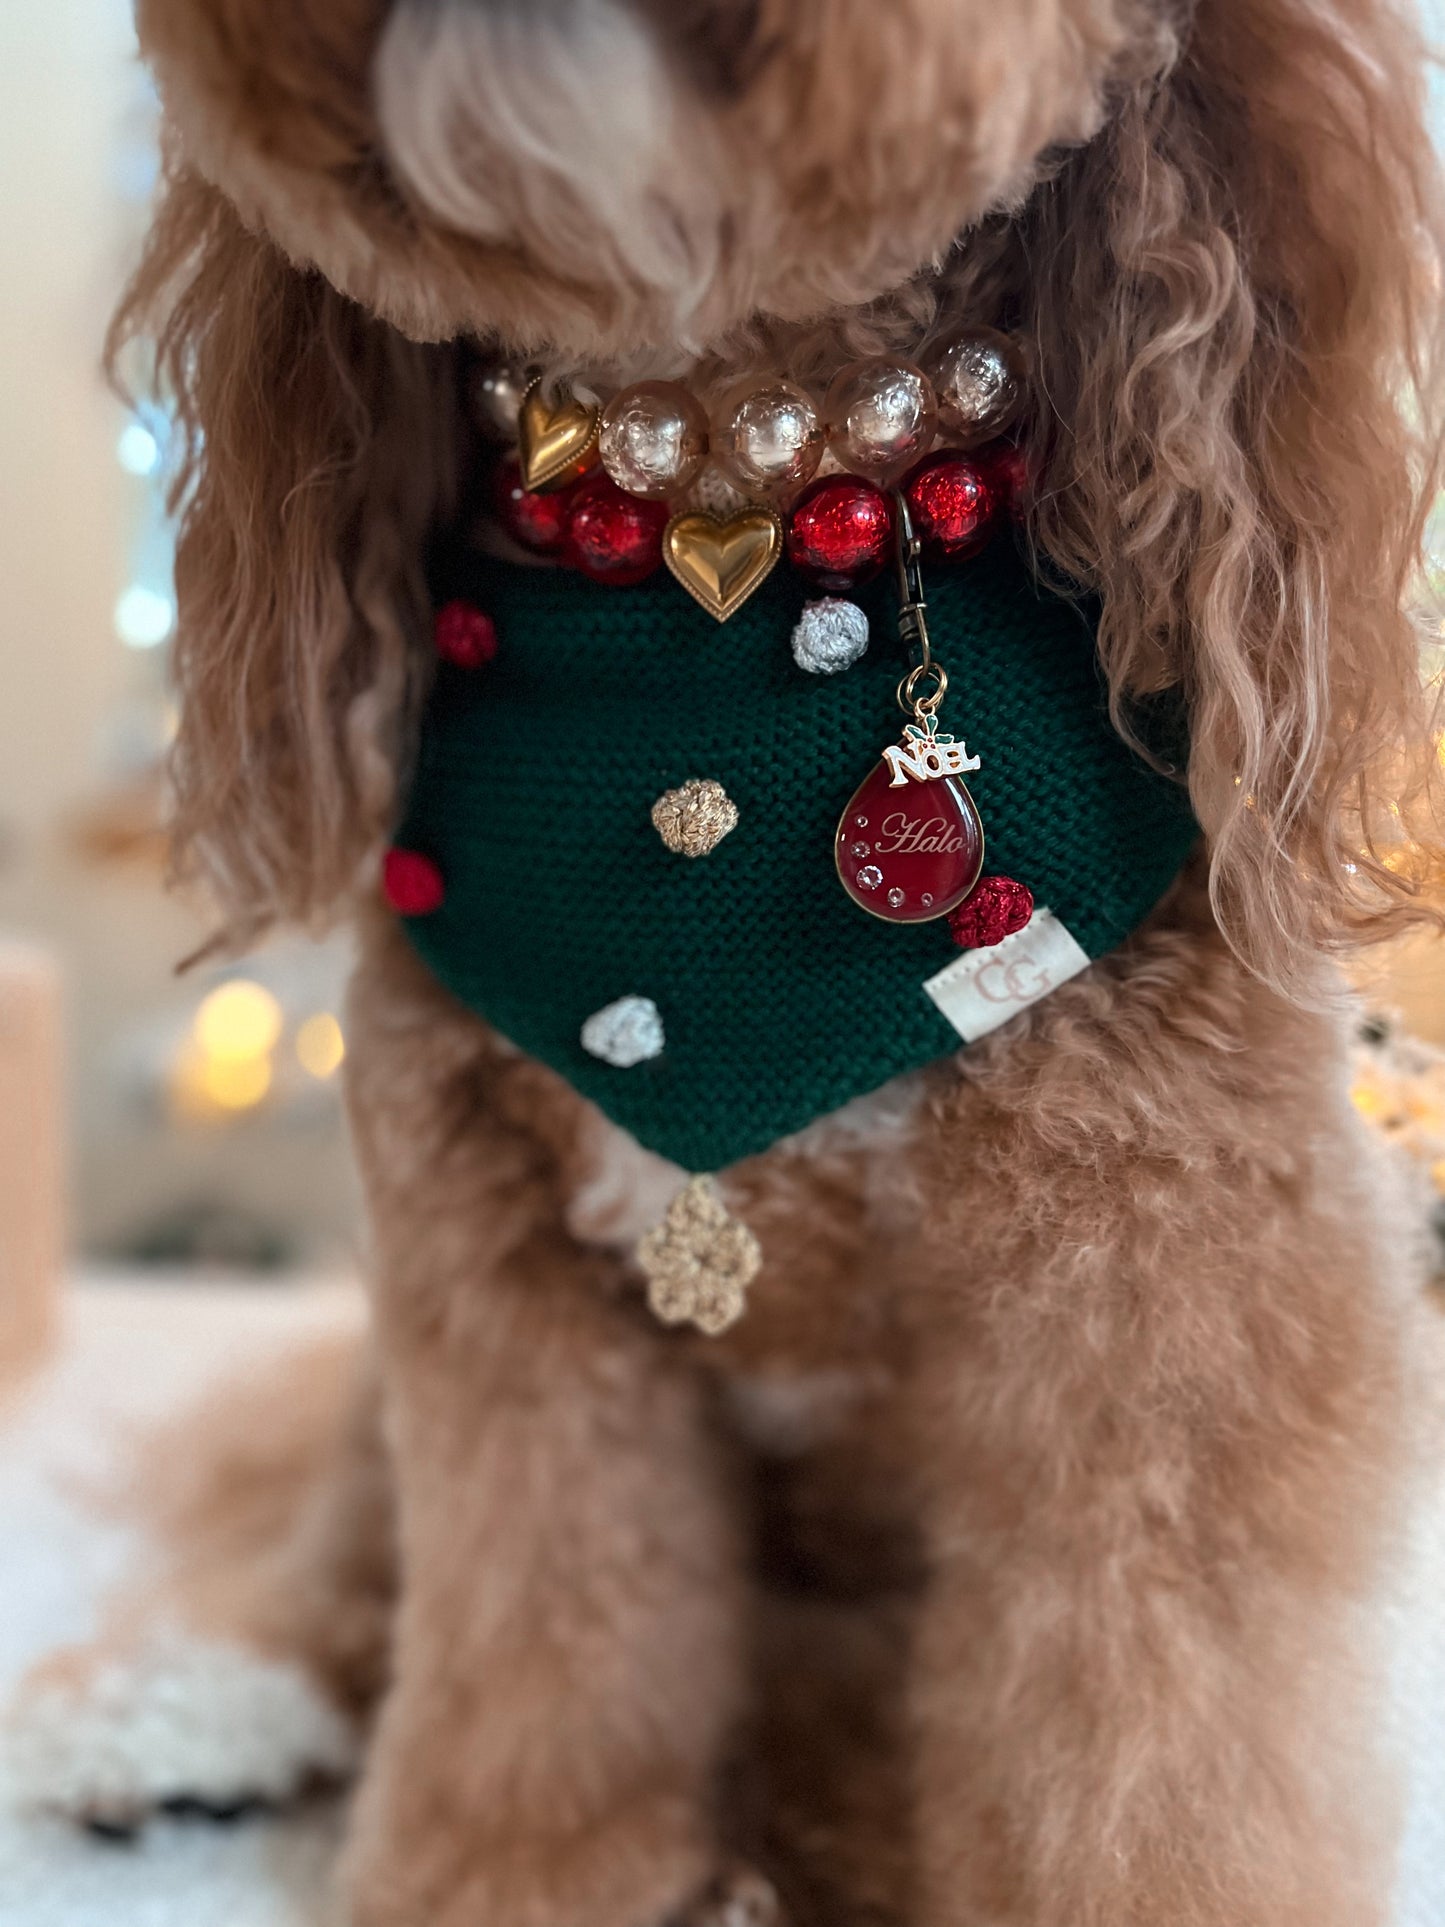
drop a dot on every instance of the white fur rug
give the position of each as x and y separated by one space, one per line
131 1353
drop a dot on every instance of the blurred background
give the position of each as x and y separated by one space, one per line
201 1112
201 1124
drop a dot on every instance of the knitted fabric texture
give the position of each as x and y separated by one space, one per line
780 999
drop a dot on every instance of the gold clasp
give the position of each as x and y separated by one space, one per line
913 620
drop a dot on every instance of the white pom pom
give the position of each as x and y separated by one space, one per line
831 635
625 1033
714 494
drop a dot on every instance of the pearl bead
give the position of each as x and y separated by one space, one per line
653 439
497 394
979 378
881 416
768 440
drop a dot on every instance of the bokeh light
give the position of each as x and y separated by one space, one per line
144 617
239 1022
320 1047
138 451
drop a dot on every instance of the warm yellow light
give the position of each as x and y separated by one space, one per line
202 1088
1437 1172
320 1047
238 1023
235 1083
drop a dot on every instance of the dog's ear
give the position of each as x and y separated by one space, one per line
317 452
1237 300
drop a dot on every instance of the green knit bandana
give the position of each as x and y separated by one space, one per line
780 999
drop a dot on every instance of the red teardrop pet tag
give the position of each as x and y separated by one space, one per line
909 846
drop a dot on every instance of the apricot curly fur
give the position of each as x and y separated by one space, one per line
1015 1559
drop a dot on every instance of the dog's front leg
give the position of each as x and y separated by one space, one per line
1163 1413
566 1658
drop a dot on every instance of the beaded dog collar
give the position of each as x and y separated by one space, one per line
617 491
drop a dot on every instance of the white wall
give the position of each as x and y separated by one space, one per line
72 127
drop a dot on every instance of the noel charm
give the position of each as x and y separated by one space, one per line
924 755
909 846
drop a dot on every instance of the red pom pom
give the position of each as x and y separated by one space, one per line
465 635
952 504
840 533
993 909
613 536
411 883
535 522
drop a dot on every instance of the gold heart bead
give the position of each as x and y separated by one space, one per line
721 563
557 440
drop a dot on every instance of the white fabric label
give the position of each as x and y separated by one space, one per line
982 989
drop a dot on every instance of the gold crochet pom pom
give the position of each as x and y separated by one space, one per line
699 1261
694 819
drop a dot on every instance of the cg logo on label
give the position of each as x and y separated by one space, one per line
1019 981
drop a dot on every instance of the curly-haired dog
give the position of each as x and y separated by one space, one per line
1076 1392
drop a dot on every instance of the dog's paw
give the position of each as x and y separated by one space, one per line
738 1897
109 1736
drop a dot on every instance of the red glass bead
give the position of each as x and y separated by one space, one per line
909 853
994 909
952 504
411 883
465 635
613 536
1006 468
840 533
535 522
